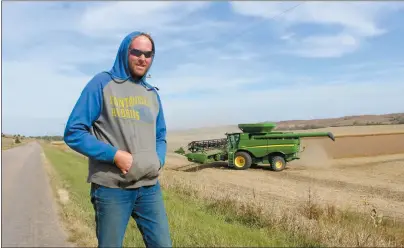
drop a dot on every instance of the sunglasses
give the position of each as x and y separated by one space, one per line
138 53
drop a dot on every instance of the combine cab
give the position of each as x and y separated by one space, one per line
256 144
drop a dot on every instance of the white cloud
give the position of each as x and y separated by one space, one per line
202 69
53 94
356 21
121 17
213 69
282 96
326 46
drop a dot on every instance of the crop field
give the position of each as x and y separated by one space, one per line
344 193
362 173
9 142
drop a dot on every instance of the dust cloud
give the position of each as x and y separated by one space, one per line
315 155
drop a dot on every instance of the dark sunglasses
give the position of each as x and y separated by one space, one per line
138 53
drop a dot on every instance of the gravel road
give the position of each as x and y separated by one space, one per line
29 216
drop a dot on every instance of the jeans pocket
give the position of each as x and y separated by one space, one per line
93 189
145 165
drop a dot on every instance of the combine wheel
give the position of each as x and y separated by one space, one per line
242 161
278 163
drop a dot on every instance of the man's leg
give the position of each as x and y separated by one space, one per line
113 208
151 218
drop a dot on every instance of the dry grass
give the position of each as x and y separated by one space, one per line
71 214
8 143
192 221
58 143
324 224
309 222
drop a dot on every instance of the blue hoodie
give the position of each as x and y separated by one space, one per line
116 112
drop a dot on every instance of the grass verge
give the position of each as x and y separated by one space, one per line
8 143
193 221
322 224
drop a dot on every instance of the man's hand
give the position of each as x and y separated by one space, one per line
123 161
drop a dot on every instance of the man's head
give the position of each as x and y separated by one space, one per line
133 57
140 55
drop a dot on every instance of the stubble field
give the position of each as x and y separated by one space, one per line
361 172
344 193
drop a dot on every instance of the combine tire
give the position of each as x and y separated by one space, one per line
242 161
278 163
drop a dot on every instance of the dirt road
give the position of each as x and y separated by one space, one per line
29 216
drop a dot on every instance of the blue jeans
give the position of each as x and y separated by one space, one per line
114 206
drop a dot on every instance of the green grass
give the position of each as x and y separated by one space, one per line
198 219
192 222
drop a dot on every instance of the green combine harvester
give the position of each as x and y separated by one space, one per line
256 144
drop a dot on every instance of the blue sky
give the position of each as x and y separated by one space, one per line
217 63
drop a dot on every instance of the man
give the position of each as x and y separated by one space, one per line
118 123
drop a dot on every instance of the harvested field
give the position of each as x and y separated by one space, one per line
351 146
346 193
7 143
357 172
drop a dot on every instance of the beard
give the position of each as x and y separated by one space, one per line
137 71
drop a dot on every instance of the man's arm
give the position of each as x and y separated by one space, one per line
87 110
161 132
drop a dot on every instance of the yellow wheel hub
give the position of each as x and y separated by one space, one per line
239 161
278 164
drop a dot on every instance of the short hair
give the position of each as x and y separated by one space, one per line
147 35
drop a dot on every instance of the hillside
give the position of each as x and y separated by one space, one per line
346 125
354 120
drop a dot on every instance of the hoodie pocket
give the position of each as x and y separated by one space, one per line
145 165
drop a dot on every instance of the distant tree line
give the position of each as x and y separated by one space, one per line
394 120
18 137
49 138
397 119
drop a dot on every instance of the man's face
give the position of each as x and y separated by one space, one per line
138 62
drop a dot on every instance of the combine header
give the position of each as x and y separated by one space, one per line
256 144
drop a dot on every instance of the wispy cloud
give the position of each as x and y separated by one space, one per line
326 46
106 19
216 63
351 22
